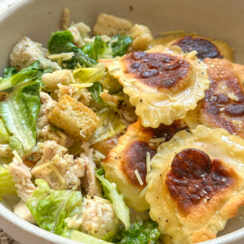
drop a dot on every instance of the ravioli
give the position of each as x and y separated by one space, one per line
223 104
196 184
162 83
205 47
130 155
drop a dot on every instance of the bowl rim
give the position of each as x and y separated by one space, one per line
25 226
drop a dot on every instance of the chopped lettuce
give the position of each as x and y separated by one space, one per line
19 113
4 136
62 42
110 125
89 74
98 49
84 238
11 78
139 233
120 208
95 91
120 44
6 183
50 207
9 71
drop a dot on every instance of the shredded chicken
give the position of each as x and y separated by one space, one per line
89 182
59 169
21 175
98 217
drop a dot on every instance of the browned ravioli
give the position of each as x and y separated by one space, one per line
127 164
205 47
223 104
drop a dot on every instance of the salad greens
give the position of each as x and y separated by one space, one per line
9 71
139 233
120 208
4 136
50 207
95 91
11 78
19 113
63 41
120 44
6 182
79 236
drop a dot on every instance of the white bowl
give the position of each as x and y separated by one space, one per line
223 20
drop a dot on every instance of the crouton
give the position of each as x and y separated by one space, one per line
111 25
26 52
141 37
50 80
74 118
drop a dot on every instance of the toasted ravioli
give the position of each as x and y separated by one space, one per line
223 104
205 47
131 154
128 156
196 184
162 83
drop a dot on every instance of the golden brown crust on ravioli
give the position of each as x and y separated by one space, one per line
196 184
223 104
162 83
122 161
205 47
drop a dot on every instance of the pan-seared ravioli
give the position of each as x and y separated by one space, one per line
205 47
196 183
126 164
223 104
162 83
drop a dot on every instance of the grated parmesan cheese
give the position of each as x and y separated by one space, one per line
148 162
138 177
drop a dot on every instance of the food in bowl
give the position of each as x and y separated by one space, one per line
120 137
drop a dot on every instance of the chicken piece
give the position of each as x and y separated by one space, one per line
89 181
74 118
141 37
50 80
21 175
45 131
83 29
59 169
23 212
111 25
26 51
98 217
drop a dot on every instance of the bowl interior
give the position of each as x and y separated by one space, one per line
219 19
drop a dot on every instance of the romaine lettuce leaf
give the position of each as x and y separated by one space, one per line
11 78
19 113
110 191
139 233
9 71
6 183
84 238
98 49
50 207
120 44
95 91
89 74
4 136
110 125
62 42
